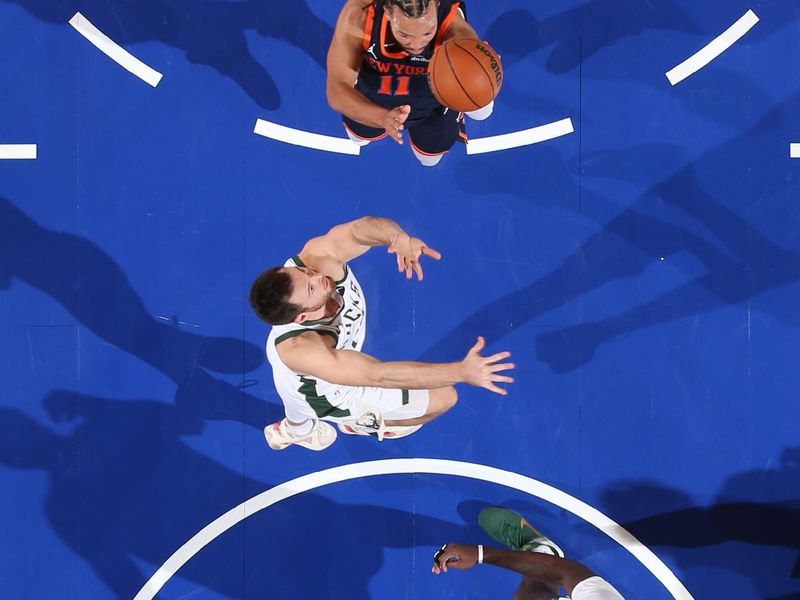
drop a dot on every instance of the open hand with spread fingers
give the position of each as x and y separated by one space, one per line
483 371
408 250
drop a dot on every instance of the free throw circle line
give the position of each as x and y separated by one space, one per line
524 137
18 151
411 466
713 49
298 137
114 51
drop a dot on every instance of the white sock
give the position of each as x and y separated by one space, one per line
301 430
481 113
546 546
355 139
427 161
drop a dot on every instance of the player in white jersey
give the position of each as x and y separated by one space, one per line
533 555
318 313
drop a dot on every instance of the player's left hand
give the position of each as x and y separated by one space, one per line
457 556
408 251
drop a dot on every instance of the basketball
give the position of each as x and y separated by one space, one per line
465 74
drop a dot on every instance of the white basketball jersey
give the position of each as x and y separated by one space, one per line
347 327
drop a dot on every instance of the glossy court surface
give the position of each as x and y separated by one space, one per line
643 270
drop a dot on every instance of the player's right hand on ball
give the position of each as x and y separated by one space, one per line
393 122
482 371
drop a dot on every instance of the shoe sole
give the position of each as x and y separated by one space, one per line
401 431
392 433
271 444
352 431
284 445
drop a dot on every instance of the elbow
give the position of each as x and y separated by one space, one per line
362 223
331 99
333 95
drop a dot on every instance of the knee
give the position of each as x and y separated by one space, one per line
451 397
443 399
427 160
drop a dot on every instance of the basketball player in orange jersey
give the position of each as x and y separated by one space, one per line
377 73
318 314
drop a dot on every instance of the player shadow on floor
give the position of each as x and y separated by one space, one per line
211 33
89 284
750 529
675 219
125 488
600 24
580 32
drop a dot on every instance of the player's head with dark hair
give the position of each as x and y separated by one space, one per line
285 294
269 297
413 9
413 22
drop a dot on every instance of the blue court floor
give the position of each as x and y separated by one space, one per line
644 271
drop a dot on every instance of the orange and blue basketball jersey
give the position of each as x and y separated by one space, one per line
390 76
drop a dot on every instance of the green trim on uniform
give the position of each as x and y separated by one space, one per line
405 397
338 281
291 334
320 404
302 265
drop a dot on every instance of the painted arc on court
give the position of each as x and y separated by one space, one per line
409 466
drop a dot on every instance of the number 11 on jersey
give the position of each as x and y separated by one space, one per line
387 83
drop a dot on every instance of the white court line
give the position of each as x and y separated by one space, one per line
409 466
114 51
716 47
17 151
794 150
520 138
298 137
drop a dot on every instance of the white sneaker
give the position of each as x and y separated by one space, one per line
481 114
369 422
278 436
399 431
391 433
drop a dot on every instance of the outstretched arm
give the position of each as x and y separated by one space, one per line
314 355
349 240
542 567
